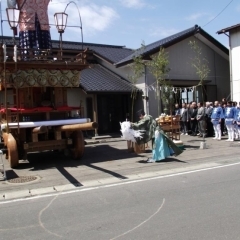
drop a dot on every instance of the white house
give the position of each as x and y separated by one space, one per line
233 33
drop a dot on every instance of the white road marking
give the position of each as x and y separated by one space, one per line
118 184
139 225
40 218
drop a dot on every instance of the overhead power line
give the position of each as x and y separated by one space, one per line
218 13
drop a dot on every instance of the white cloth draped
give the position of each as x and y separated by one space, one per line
128 133
46 123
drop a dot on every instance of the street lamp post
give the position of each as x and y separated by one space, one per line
61 23
13 19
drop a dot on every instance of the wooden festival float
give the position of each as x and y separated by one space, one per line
34 115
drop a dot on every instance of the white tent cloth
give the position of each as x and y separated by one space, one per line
46 123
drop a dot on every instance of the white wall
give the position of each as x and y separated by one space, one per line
181 57
235 64
75 97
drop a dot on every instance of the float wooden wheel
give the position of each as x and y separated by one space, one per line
78 144
12 151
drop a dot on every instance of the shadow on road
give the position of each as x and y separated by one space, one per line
195 140
68 176
54 159
191 147
11 174
48 160
164 160
114 174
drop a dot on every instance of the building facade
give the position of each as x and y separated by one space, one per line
105 91
182 74
233 33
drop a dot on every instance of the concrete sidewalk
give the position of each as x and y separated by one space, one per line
107 161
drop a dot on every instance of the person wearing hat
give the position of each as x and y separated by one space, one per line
162 146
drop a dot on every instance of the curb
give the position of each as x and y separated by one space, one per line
58 189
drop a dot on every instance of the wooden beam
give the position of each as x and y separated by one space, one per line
50 65
95 116
80 126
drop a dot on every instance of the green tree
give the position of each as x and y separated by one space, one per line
200 64
158 66
137 68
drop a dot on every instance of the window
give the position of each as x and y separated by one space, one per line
189 96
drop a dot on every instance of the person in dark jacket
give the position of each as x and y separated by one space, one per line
223 104
177 110
193 118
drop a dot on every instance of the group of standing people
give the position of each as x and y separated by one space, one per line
211 120
196 118
193 118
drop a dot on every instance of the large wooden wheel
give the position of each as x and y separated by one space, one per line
77 149
12 148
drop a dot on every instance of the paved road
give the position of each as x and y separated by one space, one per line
201 204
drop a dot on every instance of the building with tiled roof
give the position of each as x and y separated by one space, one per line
152 48
104 92
182 75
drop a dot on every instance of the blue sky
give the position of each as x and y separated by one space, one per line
131 22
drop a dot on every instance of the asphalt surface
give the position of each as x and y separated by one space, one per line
199 204
108 161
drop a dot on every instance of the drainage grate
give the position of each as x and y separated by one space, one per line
23 179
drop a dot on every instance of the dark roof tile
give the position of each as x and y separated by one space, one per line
168 41
228 29
100 79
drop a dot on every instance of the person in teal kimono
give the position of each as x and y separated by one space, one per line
162 145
